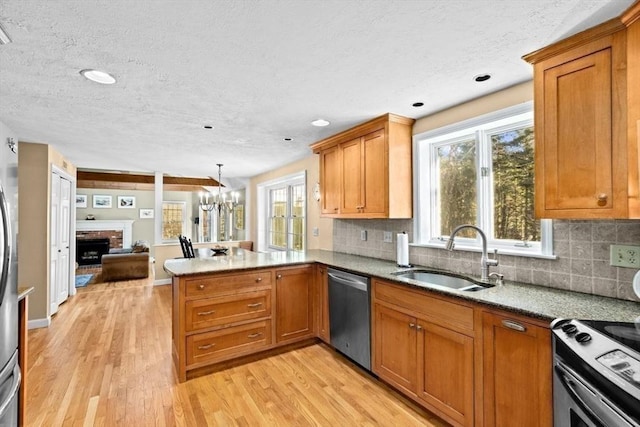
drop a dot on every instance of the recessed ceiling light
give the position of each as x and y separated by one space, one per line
207 127
288 139
482 77
320 122
418 104
98 76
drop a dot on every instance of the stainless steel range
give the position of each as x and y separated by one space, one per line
596 373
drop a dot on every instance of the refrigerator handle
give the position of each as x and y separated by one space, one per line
6 245
17 379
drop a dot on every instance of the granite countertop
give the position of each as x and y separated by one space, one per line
531 300
23 291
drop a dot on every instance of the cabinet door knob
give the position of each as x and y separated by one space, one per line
259 279
201 287
279 276
412 325
335 209
419 327
602 199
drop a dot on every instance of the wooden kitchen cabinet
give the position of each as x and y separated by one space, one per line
322 304
218 317
424 346
294 303
517 372
330 180
395 348
366 171
587 122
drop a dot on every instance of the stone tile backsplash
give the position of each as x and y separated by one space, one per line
582 248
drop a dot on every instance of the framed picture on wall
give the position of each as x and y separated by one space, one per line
101 202
126 202
81 200
146 213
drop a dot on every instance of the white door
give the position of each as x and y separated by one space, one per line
64 238
53 238
59 273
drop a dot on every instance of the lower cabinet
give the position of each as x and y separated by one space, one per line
294 303
222 316
470 365
429 362
517 372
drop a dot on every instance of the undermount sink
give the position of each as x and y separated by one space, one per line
442 279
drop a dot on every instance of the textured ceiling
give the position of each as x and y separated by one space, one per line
258 71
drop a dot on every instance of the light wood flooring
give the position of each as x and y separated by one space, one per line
106 361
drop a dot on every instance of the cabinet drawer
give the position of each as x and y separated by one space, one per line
226 343
205 313
225 284
439 311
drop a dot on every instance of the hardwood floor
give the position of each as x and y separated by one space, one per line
106 361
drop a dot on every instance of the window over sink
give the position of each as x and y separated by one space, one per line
481 171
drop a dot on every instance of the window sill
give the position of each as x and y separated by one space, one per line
501 251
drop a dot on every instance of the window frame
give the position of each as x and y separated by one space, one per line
184 219
264 210
481 129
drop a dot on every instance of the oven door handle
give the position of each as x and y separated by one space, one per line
593 406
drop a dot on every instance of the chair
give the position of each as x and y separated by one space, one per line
186 246
246 244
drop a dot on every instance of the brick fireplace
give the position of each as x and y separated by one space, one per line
114 236
95 238
119 232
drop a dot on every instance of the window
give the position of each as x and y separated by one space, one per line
287 217
173 220
481 172
281 213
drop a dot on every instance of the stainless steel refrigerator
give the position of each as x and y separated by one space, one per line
9 369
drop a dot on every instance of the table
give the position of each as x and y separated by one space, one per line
208 252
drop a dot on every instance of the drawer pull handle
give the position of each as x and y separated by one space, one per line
205 347
254 305
201 287
256 335
259 279
514 325
206 313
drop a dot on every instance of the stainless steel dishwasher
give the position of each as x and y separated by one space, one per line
349 316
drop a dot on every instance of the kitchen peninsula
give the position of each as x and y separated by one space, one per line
234 306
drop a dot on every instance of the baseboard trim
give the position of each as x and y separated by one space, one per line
39 323
159 282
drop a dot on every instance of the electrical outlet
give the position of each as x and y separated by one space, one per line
387 237
625 256
363 235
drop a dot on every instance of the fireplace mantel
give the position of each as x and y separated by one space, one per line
124 225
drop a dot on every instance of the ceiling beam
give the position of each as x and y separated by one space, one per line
125 181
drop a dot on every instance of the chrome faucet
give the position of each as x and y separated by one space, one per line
485 261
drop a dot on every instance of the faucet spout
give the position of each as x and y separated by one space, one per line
485 261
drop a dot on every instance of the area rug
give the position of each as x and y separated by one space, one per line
83 279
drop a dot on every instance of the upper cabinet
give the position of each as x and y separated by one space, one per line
366 171
587 122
